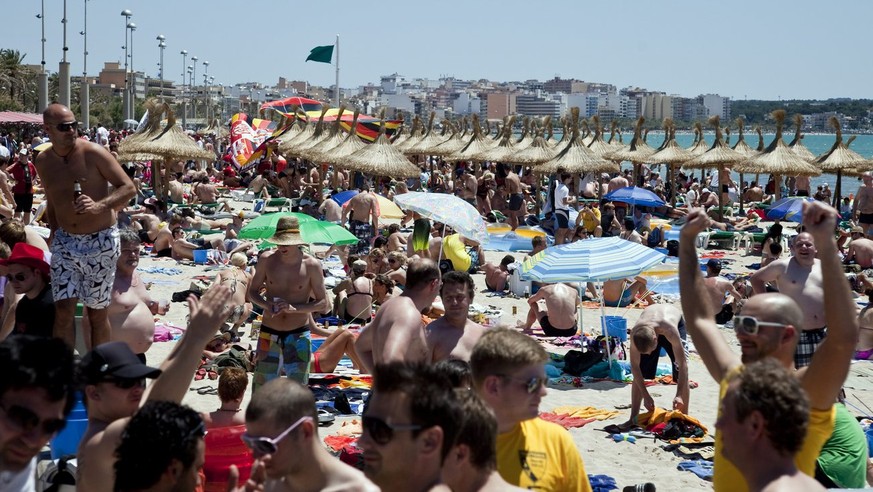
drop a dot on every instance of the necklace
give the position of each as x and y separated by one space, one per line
64 157
229 410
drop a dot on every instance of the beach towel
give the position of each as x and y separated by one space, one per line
585 412
701 468
564 420
337 443
653 421
602 483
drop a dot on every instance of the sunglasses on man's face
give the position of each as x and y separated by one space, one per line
27 420
266 445
531 385
127 384
382 432
18 277
748 325
65 127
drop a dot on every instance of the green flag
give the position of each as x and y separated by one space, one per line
321 54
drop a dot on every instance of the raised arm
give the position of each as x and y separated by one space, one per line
207 315
830 364
699 316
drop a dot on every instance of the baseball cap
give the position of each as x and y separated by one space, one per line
714 264
114 360
23 151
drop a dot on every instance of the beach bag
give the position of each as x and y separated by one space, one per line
655 237
577 362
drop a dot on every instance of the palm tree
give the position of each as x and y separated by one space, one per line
12 70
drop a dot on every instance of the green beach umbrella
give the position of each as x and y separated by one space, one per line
320 232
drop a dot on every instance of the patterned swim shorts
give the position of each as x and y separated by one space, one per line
83 266
282 354
809 341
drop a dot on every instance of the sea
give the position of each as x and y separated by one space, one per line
818 144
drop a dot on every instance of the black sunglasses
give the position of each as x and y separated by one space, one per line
749 326
18 277
382 432
65 127
269 445
126 384
531 385
27 420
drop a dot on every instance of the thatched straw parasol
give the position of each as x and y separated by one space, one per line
318 135
778 159
504 150
839 158
429 140
332 139
672 154
538 152
527 135
743 148
350 144
637 152
381 158
478 143
454 143
797 144
288 145
415 134
576 157
587 135
718 156
615 136
597 145
169 142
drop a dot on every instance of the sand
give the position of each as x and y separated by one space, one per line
629 463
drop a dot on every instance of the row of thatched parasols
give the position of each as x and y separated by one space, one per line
578 151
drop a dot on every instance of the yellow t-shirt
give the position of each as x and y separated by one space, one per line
726 476
540 455
590 221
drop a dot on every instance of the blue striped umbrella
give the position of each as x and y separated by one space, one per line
590 260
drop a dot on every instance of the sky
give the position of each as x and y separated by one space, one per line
743 49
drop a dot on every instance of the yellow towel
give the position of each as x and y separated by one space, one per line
585 412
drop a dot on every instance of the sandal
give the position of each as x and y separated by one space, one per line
200 374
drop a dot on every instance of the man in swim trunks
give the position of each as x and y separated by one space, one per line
554 306
362 213
660 327
515 190
284 346
454 335
621 293
862 206
469 185
397 333
84 244
497 276
769 328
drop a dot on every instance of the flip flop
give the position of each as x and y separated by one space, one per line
207 390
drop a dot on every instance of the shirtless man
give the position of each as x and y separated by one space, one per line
331 210
800 278
617 183
802 185
131 313
163 245
754 194
175 188
708 199
515 192
861 251
396 239
496 276
469 186
204 192
454 335
398 331
554 306
183 249
363 219
284 343
659 327
149 224
862 206
84 243
115 388
718 288
621 293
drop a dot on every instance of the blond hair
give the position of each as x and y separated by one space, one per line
502 351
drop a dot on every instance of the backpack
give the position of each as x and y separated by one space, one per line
655 237
577 362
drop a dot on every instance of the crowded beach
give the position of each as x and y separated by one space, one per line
306 305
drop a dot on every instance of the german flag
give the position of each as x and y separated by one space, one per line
310 109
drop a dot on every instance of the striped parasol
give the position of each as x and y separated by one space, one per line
591 260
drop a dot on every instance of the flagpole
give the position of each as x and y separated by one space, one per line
337 73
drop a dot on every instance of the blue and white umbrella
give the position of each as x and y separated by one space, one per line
448 209
634 195
590 260
788 208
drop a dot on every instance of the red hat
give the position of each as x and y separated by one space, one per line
25 254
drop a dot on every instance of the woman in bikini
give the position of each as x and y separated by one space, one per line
354 295
237 280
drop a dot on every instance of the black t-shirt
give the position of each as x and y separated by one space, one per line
36 316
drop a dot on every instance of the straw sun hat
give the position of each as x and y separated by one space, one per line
287 232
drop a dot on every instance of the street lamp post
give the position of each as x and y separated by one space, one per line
43 75
125 102
193 68
64 66
184 54
85 89
132 98
191 85
161 45
207 96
